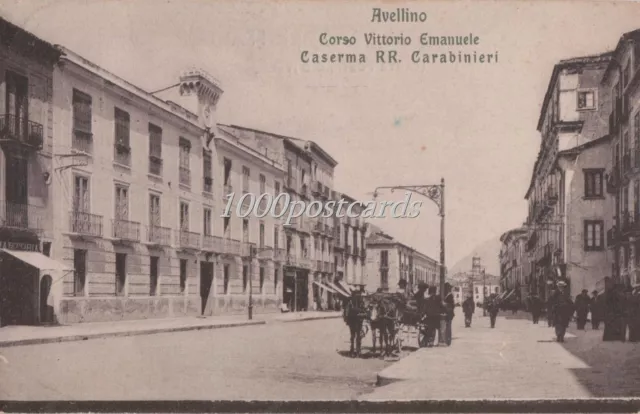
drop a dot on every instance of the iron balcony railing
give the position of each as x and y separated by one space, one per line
185 176
20 130
159 235
212 243
187 239
85 223
125 230
82 141
155 165
122 154
21 216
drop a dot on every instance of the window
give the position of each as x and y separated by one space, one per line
226 278
121 273
593 183
82 137
261 241
263 184
155 150
206 167
122 203
477 290
154 210
227 227
81 197
80 274
276 237
275 279
207 222
593 235
587 99
184 216
153 275
245 231
384 279
246 175
183 275
261 279
227 171
245 278
122 150
185 169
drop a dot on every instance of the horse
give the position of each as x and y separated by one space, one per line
382 314
354 316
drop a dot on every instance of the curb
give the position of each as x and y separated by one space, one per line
311 318
74 338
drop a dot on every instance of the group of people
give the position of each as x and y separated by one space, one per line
618 308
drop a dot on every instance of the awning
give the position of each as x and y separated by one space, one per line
345 286
38 260
339 289
325 287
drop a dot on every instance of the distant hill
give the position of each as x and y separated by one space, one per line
488 251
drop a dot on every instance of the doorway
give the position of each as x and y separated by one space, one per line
206 281
46 311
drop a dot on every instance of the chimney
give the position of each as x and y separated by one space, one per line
199 93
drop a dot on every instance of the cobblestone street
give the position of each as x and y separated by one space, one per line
283 361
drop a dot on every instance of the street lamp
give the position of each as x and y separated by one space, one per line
434 193
253 252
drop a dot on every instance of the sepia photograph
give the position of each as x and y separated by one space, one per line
329 206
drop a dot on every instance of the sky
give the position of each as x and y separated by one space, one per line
385 124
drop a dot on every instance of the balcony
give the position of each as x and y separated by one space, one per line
231 247
82 142
245 249
125 230
159 236
185 176
207 184
20 132
122 155
21 216
85 224
318 227
613 179
316 187
291 183
187 240
302 262
279 254
155 165
212 244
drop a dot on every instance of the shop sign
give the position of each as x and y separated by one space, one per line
29 247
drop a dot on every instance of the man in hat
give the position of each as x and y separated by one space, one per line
551 306
562 311
582 308
402 287
432 309
419 296
449 305
468 307
492 303
614 324
596 308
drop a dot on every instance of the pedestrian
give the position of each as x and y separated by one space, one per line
432 308
634 315
535 306
628 309
596 308
493 307
614 325
563 311
582 309
550 306
449 305
468 308
402 288
419 295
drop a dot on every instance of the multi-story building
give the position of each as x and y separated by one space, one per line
139 214
475 283
620 82
567 201
389 260
354 253
514 262
26 145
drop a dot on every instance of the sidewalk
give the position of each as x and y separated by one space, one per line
516 360
29 335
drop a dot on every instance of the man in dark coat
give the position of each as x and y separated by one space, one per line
419 295
614 324
562 312
493 307
449 305
551 306
596 308
535 306
468 307
432 308
582 309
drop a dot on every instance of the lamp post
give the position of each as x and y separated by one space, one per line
434 193
253 252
